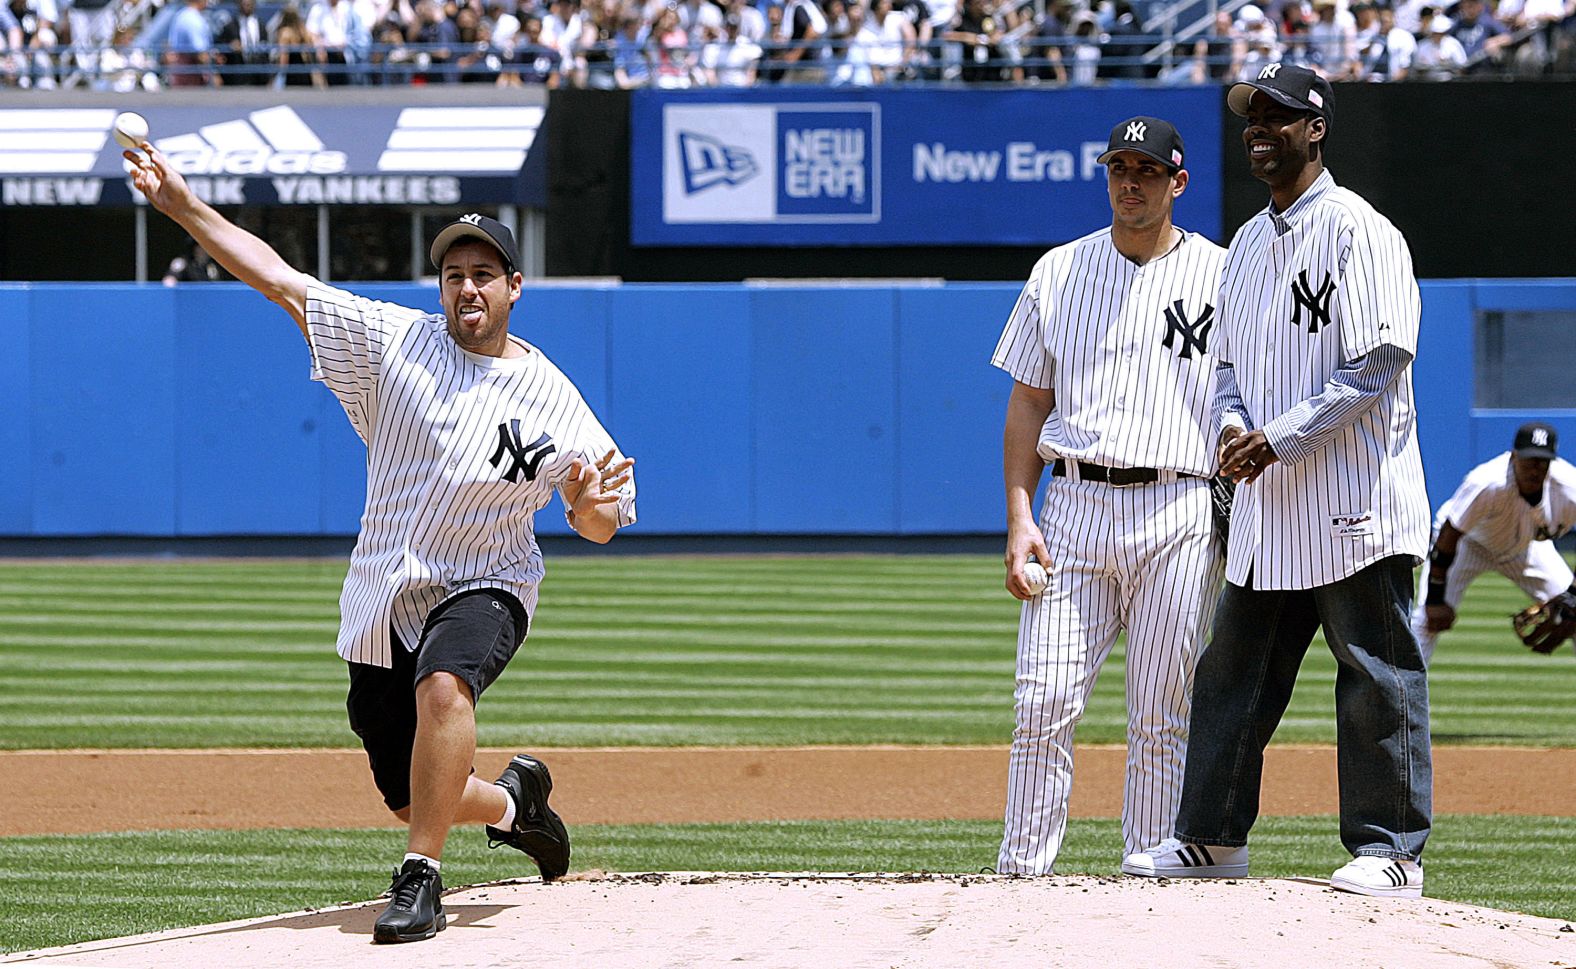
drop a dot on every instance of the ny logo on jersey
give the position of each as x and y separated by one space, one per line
1135 131
522 458
1270 70
1194 334
1316 302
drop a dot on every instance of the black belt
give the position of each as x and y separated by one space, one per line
1089 471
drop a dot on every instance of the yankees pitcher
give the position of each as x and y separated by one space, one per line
469 431
1109 350
1319 314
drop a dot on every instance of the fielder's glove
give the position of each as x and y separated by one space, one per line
1543 627
1222 491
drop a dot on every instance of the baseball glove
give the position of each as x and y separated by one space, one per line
1544 626
1222 491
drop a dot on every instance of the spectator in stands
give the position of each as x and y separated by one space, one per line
13 49
1439 56
1121 56
732 60
478 61
1295 47
565 28
1332 41
190 51
1262 49
1411 15
1050 37
390 57
1084 54
123 66
1390 58
801 31
1541 17
891 56
695 16
1217 56
672 61
1478 31
333 24
92 24
295 52
979 33
602 40
439 36
533 62
505 26
240 46
856 46
36 20
752 23
630 66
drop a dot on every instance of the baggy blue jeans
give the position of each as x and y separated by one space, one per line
1244 681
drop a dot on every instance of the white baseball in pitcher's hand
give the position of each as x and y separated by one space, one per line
131 129
1035 577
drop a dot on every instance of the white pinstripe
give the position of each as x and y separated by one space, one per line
440 518
1092 324
1501 533
1316 518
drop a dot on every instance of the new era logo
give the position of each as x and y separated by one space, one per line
1135 131
708 162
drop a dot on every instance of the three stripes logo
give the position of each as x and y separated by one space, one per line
708 162
271 141
522 458
1315 301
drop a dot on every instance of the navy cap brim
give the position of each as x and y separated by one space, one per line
1113 152
462 230
1534 451
1242 92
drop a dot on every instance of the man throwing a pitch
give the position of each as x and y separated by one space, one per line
469 430
1318 327
1110 351
1504 518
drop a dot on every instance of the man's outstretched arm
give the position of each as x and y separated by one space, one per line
248 258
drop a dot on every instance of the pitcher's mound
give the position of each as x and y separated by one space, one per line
830 921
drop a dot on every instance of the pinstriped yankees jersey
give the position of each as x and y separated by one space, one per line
462 451
1325 282
1127 348
1489 511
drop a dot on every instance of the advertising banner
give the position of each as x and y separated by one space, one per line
815 167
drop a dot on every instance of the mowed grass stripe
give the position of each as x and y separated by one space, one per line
661 649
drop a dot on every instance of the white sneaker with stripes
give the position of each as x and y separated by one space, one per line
1387 877
1173 859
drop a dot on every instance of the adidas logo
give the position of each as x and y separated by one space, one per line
708 162
488 139
56 141
272 141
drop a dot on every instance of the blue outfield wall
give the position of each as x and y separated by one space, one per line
854 409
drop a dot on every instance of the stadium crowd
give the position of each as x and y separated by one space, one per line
122 45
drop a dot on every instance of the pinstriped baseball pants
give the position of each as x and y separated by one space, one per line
1141 558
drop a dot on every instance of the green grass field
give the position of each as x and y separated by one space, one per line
644 650
639 650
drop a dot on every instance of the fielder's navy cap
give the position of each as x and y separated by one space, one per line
474 226
1536 440
1296 87
1147 136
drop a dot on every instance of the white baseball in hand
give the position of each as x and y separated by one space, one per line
131 129
1035 577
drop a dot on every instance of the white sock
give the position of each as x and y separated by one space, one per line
435 863
507 820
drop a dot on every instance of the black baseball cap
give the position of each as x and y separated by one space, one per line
1147 136
1296 87
1536 440
474 226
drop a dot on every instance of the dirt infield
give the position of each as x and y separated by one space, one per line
915 921
147 790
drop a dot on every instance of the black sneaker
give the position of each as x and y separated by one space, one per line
537 829
415 911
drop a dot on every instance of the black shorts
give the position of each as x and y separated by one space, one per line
473 636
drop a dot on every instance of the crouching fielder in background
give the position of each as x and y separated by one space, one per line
469 430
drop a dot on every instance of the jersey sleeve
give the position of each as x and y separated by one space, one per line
1376 301
586 441
1021 350
1465 508
348 336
